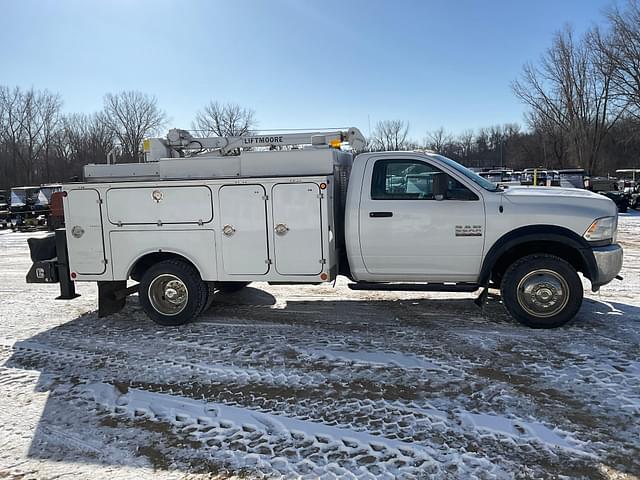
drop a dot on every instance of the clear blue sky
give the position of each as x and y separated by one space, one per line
297 63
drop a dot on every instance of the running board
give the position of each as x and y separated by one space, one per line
415 287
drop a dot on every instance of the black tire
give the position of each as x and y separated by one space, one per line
622 209
186 277
231 287
550 276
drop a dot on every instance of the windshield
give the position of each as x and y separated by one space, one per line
473 176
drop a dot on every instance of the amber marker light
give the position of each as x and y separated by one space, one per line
323 186
323 276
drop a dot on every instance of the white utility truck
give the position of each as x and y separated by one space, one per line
207 214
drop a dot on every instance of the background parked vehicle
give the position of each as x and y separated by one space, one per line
608 187
4 210
631 185
30 205
572 177
540 178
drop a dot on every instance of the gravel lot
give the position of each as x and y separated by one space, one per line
317 382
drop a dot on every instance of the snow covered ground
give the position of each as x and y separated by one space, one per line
317 382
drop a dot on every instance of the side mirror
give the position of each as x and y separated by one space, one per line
440 185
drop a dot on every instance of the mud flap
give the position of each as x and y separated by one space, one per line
110 299
45 271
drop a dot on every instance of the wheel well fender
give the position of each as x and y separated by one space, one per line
550 239
146 260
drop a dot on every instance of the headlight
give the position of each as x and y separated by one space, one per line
602 229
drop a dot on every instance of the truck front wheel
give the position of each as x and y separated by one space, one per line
172 293
542 291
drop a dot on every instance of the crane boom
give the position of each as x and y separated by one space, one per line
178 142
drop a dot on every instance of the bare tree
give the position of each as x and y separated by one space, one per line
224 120
49 107
29 120
465 140
390 135
619 50
570 91
132 116
439 140
82 139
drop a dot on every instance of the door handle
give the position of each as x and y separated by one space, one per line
380 214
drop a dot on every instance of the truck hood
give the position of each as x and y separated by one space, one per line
573 201
537 192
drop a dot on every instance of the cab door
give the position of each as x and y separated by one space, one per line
407 234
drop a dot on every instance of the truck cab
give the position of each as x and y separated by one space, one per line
454 226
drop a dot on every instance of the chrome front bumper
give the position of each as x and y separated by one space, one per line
609 262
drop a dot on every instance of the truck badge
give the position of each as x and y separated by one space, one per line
468 230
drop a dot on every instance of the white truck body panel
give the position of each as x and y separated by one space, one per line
299 162
243 217
298 245
85 239
188 217
197 246
571 208
159 206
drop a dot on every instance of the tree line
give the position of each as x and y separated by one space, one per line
41 144
582 98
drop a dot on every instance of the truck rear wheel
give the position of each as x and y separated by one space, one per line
542 291
172 293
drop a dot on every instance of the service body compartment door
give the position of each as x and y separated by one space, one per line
84 232
243 217
159 205
297 225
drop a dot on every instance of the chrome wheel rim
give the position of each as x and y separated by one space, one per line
543 293
168 294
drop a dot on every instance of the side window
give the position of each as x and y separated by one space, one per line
411 180
457 191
